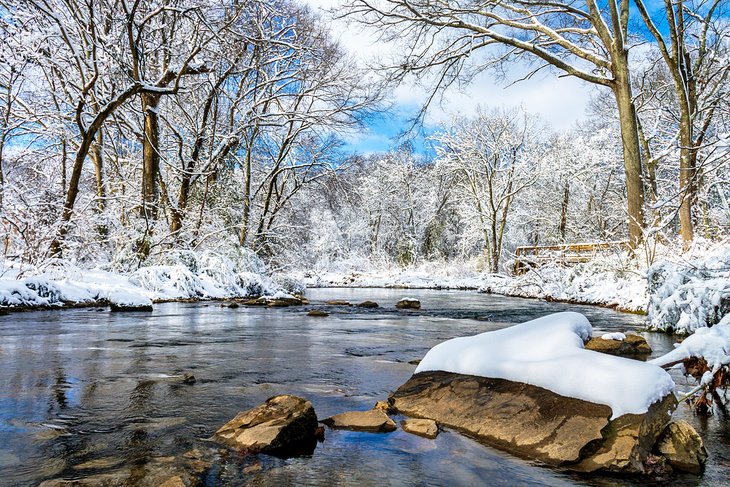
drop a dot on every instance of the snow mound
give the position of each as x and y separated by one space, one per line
185 276
712 344
548 352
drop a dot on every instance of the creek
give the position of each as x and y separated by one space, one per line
84 391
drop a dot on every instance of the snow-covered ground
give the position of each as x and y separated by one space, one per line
604 281
548 352
680 292
183 276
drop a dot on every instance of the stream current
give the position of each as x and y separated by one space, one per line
86 391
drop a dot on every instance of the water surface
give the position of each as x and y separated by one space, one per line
85 391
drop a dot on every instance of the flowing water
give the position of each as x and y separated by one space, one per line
86 391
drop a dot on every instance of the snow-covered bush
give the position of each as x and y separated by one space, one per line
688 295
607 280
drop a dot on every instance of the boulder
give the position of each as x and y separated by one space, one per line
631 346
374 421
421 427
367 304
317 312
535 423
408 303
282 426
338 302
680 444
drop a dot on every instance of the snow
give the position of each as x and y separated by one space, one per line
280 295
197 276
614 336
548 352
713 344
602 281
690 294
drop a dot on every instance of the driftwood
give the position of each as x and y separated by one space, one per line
706 393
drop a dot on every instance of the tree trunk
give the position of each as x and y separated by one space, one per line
686 185
631 151
71 194
98 159
246 221
564 210
150 155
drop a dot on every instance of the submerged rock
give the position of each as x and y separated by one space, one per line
283 426
535 423
130 307
680 444
338 302
158 472
631 346
421 427
374 421
286 300
317 312
408 303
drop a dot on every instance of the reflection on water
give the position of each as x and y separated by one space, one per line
85 391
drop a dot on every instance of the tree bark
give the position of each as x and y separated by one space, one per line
150 155
631 151
97 157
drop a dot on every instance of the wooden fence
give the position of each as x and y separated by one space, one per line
535 256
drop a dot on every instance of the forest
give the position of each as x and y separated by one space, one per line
132 128
219 215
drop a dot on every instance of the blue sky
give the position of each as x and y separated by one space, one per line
560 101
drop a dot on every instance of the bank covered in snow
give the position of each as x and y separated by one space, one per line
603 281
186 275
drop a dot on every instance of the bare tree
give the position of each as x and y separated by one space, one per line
584 39
490 158
692 52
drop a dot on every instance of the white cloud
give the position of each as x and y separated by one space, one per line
559 100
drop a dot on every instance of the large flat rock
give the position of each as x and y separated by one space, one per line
533 422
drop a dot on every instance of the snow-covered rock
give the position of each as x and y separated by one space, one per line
534 390
548 352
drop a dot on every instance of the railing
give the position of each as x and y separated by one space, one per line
527 257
